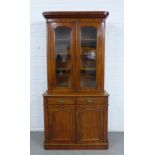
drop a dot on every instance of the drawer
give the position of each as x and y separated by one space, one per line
59 100
91 100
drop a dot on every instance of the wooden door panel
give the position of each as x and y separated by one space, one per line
89 119
90 124
61 124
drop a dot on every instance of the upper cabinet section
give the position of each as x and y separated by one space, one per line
75 51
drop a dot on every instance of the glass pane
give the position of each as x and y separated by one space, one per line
63 58
88 56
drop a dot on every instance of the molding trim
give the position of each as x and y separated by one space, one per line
76 14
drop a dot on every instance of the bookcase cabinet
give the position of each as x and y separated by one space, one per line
75 103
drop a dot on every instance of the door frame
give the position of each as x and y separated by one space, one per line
99 57
51 63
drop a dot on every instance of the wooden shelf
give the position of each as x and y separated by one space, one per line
88 39
61 40
63 69
88 69
63 53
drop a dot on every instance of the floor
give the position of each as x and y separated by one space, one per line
116 146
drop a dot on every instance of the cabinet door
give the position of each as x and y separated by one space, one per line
91 124
60 124
89 57
61 57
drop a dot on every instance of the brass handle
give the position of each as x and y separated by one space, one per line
90 101
60 101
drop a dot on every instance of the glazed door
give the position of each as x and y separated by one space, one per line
60 121
90 124
61 56
89 57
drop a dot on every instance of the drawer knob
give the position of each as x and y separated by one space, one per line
90 101
60 101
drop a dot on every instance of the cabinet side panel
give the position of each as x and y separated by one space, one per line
101 56
50 58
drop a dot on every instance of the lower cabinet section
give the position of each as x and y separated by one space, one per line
75 125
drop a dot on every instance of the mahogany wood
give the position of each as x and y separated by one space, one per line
61 126
76 14
89 124
75 117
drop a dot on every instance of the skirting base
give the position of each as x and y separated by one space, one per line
101 146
